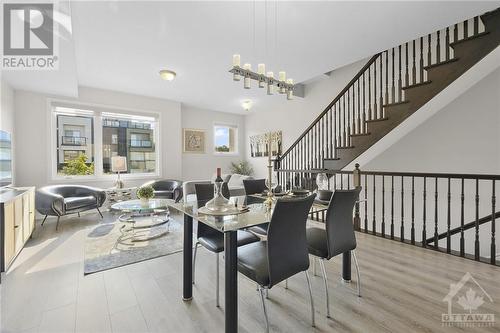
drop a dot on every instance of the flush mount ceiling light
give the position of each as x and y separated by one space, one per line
246 105
167 75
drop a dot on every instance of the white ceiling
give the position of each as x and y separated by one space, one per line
122 45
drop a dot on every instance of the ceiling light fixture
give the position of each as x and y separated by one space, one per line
167 75
246 104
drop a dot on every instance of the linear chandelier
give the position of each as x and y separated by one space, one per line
281 85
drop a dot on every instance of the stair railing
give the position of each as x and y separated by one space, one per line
381 82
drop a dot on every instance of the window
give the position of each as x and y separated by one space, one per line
225 139
79 134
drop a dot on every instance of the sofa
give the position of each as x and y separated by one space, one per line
166 189
61 200
234 183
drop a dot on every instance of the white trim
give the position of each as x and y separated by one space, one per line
98 113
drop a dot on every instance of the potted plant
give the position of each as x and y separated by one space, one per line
145 193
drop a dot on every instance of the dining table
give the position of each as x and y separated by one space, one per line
253 215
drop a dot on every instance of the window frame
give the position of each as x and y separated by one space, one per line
236 151
98 110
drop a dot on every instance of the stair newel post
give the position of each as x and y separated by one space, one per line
393 88
476 241
448 219
436 196
400 82
382 232
462 217
424 215
402 231
414 68
438 47
413 210
356 174
493 245
374 221
421 63
447 49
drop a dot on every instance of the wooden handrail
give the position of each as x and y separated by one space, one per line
466 226
335 100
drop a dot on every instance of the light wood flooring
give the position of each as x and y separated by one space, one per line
402 291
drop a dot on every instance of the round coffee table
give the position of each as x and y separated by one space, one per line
157 209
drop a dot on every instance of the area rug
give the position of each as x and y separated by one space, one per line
111 245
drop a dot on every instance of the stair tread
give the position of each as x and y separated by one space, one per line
440 63
395 103
375 120
481 34
417 85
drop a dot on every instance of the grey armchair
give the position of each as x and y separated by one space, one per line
166 189
61 200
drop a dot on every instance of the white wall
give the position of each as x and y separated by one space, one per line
203 166
32 132
7 116
293 117
463 137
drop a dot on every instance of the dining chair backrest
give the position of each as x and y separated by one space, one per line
287 250
254 186
339 222
204 193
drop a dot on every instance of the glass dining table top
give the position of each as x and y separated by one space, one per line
257 214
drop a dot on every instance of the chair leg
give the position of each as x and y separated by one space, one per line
262 291
312 301
357 271
322 264
78 214
44 219
57 224
267 293
194 258
217 284
100 212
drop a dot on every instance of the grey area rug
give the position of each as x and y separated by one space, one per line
110 245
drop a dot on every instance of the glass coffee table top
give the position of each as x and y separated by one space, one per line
141 207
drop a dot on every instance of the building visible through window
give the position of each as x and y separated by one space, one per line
225 139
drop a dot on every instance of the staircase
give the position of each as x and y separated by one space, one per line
391 86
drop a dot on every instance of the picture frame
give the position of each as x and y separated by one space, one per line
193 141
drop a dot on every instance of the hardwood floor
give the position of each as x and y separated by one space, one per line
402 291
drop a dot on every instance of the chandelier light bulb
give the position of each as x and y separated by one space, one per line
246 80
261 70
289 93
270 86
236 64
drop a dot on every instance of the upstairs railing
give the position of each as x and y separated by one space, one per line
452 213
379 83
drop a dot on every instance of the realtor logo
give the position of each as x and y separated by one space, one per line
28 36
470 296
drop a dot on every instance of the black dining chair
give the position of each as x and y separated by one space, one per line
256 186
284 254
339 235
211 239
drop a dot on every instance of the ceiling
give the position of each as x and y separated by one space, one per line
122 45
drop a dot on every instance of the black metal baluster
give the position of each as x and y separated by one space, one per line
374 222
402 232
455 33
413 210
421 63
438 47
348 182
375 109
466 34
476 242
341 181
429 48
392 207
348 117
424 215
344 118
476 25
369 93
493 245
462 220
381 100
359 128
400 84
407 74
447 51
353 115
366 203
414 68
335 131
322 141
383 207
363 120
386 78
393 89
448 219
436 236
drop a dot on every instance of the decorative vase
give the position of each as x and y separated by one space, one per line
144 201
219 203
